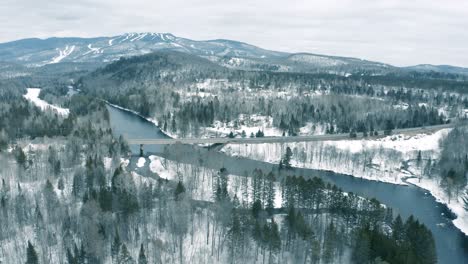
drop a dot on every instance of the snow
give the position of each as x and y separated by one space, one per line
124 162
455 204
399 142
319 61
139 36
93 50
32 95
63 54
156 166
141 162
107 163
387 159
401 105
200 182
249 124
127 36
390 159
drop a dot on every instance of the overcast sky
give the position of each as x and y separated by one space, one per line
400 32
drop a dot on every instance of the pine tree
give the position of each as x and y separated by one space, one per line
60 184
329 244
287 158
243 134
398 233
275 239
256 208
124 256
141 256
179 190
173 127
362 248
31 255
419 159
20 156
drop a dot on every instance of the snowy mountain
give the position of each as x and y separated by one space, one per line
232 54
39 52
439 68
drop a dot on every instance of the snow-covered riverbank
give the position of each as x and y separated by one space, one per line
455 204
391 159
33 96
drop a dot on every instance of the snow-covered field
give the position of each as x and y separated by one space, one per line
33 96
248 124
391 159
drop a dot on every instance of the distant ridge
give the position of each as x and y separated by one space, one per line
34 52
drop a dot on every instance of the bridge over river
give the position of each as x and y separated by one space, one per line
260 140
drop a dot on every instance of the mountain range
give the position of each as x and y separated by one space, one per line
36 52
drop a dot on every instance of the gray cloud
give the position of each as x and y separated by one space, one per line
399 32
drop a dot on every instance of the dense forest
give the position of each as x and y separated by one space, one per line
70 192
186 93
68 198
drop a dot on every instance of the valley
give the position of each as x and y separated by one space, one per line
249 155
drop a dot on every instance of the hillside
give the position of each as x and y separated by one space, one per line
228 53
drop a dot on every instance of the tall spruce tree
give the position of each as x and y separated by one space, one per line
31 254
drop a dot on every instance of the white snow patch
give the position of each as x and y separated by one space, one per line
107 163
124 162
93 50
141 162
63 54
33 96
400 142
248 123
157 166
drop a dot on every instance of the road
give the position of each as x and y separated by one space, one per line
260 140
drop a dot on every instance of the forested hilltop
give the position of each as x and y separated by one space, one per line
187 95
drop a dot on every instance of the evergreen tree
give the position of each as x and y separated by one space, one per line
124 256
179 191
141 256
398 233
243 134
31 255
419 159
362 248
330 243
61 184
286 161
256 208
20 156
